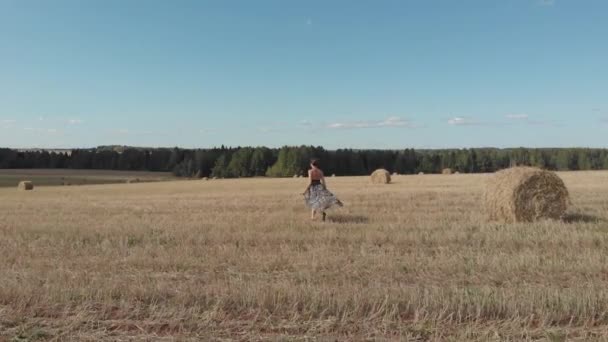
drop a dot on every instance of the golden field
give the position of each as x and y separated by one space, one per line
414 260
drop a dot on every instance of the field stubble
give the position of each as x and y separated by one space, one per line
239 259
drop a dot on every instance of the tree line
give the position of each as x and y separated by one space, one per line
226 162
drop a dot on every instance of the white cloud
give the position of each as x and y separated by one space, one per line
393 121
305 123
517 116
462 121
41 130
309 21
546 2
8 121
75 121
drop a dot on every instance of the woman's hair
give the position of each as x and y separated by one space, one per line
314 162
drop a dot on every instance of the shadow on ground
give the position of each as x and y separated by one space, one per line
337 218
582 218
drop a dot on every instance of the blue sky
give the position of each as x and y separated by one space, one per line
361 74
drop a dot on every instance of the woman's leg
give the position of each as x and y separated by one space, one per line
324 215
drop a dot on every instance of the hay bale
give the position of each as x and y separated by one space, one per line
525 194
295 176
446 171
395 174
381 176
333 175
214 178
421 173
205 178
456 173
132 181
25 185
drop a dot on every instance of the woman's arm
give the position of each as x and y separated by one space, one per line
323 180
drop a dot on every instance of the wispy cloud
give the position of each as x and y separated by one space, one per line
309 21
393 121
7 123
305 123
464 121
526 119
510 119
75 121
42 130
546 3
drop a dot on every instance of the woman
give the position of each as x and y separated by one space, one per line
317 197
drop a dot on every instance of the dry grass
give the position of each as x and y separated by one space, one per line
45 177
239 260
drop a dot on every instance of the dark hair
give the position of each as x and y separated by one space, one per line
315 162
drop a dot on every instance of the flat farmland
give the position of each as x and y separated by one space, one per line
414 260
55 177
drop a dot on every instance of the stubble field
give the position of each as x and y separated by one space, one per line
9 178
240 260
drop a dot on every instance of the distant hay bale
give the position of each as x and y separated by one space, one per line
205 178
421 173
333 175
446 171
381 176
456 173
295 176
214 178
132 181
25 185
395 174
525 194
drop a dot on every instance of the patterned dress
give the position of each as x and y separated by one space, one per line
319 198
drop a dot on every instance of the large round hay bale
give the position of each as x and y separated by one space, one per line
381 176
525 194
25 185
446 171
421 173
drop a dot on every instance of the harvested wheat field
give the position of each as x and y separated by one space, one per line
240 260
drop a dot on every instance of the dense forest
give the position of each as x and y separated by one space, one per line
288 161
